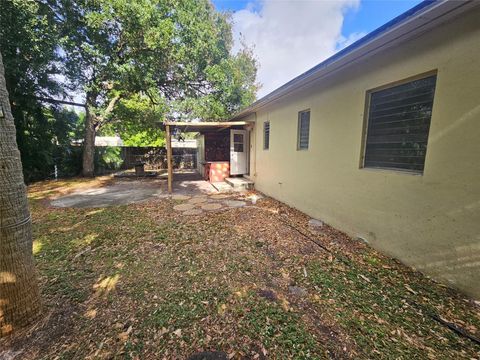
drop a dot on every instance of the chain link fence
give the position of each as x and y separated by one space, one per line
115 158
67 162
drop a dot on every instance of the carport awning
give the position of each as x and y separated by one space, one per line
202 126
192 127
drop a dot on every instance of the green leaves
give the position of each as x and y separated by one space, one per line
233 87
166 59
138 120
180 51
28 41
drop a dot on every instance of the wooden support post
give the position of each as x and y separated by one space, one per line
169 159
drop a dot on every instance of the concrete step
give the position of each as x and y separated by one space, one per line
222 187
240 183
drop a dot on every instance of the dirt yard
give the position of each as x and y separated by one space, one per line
145 281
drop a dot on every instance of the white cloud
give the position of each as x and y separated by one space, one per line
343 41
290 37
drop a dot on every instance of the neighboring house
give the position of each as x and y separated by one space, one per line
382 140
186 144
117 141
108 141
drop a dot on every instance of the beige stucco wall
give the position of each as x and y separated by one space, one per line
429 221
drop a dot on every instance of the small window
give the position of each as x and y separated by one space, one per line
266 135
238 142
238 138
398 125
303 130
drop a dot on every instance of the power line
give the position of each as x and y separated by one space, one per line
55 101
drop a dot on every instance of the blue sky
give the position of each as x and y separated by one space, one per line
374 13
290 37
370 15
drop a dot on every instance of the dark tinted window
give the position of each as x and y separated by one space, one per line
303 129
398 125
266 135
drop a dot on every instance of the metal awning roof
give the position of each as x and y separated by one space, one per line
204 125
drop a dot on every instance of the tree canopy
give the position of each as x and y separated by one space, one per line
136 62
139 62
176 54
29 41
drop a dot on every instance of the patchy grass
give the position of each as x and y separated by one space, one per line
140 281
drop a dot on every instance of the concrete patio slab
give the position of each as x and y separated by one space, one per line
188 186
119 193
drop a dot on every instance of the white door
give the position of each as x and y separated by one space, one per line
238 152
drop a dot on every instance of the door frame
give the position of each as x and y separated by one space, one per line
246 149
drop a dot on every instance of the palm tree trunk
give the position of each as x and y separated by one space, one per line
19 294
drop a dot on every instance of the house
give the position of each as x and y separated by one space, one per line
184 144
108 141
382 141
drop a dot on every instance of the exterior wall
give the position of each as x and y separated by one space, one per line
429 221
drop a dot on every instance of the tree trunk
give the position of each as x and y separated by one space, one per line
19 294
88 163
92 123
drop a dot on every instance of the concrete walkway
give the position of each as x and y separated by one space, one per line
127 191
